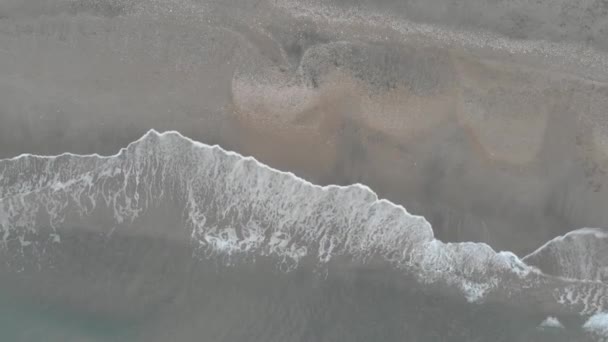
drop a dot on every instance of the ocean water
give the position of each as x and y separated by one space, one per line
171 239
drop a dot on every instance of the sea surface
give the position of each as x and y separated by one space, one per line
175 240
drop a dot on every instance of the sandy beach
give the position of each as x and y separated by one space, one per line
493 144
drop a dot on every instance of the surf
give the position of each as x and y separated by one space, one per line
236 210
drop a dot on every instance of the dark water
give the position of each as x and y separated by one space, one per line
207 302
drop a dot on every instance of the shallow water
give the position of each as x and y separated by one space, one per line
260 304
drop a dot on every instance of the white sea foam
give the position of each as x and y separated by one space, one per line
598 325
551 323
236 206
580 254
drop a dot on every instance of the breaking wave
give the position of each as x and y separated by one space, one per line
236 208
580 254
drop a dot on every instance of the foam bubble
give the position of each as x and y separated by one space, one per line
551 323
